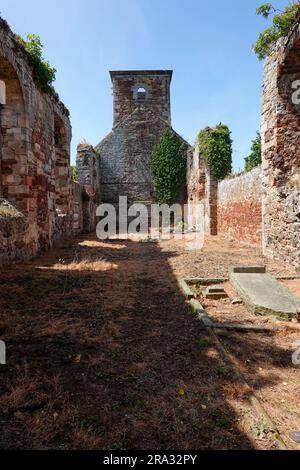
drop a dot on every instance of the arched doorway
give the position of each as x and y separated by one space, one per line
13 138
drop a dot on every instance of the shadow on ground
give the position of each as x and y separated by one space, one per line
104 353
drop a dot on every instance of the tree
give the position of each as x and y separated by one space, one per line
168 167
254 159
283 21
215 147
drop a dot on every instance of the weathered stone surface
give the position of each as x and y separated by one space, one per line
139 120
88 169
281 154
239 202
202 191
265 296
215 292
236 301
35 172
248 269
12 233
232 207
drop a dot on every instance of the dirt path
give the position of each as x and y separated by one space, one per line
104 353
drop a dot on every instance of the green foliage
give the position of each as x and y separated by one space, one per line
168 167
254 159
223 420
44 74
215 146
224 371
265 10
283 21
74 174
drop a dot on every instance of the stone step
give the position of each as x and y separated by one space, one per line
215 293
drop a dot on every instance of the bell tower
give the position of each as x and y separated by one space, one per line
145 89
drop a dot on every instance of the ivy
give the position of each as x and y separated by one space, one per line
168 167
254 159
44 75
215 147
283 22
74 174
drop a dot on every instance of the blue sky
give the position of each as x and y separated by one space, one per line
207 44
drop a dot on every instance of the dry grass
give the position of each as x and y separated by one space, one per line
8 211
85 264
104 353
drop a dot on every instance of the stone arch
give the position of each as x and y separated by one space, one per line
14 137
61 166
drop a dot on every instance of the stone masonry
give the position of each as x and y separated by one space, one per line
88 168
281 152
263 207
202 189
141 113
239 202
39 203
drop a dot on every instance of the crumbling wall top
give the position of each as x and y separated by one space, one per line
16 54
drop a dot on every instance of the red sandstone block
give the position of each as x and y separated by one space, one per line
28 180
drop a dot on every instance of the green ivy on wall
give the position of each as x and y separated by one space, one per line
215 147
168 167
44 75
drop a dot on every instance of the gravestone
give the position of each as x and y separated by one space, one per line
264 295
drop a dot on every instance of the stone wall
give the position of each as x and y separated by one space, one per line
232 207
35 172
89 176
77 209
13 232
141 114
239 207
201 189
281 152
88 169
125 157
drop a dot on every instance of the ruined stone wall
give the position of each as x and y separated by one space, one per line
88 169
89 176
232 207
281 152
35 175
202 189
12 233
196 185
239 207
77 211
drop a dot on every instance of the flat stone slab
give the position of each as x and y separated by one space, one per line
248 269
265 295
